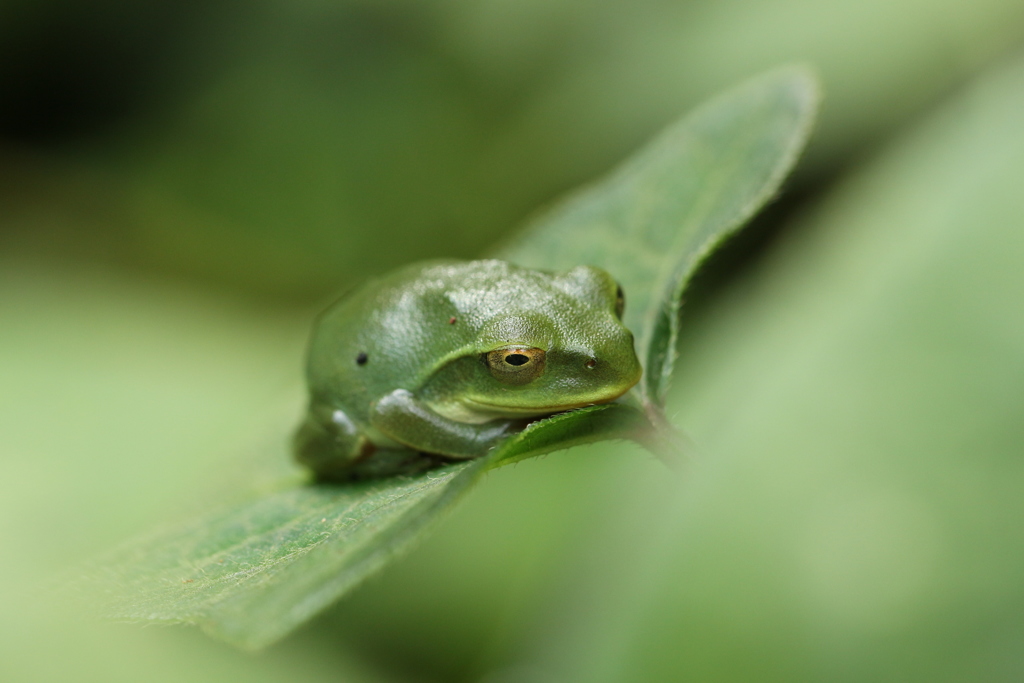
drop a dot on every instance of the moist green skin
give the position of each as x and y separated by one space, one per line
399 368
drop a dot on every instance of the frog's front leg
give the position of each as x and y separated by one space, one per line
400 416
330 444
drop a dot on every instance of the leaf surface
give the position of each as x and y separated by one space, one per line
862 396
251 572
653 221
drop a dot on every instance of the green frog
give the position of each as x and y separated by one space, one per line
442 360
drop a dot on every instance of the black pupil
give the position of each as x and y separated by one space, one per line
517 359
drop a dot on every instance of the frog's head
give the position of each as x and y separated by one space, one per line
559 344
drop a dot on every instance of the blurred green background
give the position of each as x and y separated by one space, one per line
185 183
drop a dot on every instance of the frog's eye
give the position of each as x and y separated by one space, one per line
620 302
516 364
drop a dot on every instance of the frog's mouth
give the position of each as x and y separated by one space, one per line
475 411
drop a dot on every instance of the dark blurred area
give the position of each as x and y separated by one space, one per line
290 149
182 184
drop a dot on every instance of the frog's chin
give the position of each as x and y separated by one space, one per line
475 411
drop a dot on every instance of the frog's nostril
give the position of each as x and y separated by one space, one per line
591 364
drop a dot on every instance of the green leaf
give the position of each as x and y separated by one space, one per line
655 219
862 397
252 572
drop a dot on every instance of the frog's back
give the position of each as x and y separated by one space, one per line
390 332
